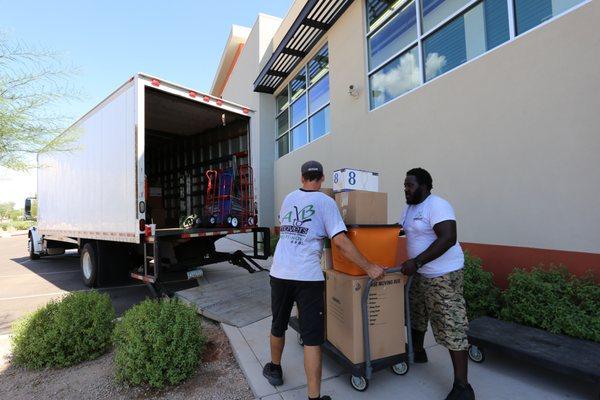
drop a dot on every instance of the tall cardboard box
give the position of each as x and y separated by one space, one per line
386 315
327 256
362 208
355 179
328 192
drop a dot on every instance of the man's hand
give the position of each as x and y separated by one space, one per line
409 267
375 272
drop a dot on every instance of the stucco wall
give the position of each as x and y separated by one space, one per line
512 139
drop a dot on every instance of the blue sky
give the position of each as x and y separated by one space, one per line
178 40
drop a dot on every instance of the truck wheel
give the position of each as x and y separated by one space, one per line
32 255
89 264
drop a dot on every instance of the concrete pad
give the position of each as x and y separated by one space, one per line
292 362
248 362
272 397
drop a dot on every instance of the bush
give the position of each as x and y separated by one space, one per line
66 332
554 300
481 295
158 343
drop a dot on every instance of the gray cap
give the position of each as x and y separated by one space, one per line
311 166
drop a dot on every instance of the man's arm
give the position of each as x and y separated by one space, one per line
446 238
350 251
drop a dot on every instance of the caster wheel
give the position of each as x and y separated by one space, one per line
229 219
212 220
251 221
400 368
359 383
476 354
234 222
300 341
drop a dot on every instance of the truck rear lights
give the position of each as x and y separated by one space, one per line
206 99
142 225
192 94
155 82
245 110
219 102
142 207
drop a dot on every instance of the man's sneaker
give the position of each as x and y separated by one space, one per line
323 398
274 374
420 357
461 392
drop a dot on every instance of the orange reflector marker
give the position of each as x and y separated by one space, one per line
245 110
192 93
206 99
155 82
219 102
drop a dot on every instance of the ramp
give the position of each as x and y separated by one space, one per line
238 301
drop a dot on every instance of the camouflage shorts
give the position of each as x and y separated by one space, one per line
440 300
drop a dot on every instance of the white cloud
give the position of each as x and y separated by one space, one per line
434 64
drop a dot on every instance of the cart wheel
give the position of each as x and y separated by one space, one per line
400 368
300 341
199 221
359 383
234 222
476 354
250 221
212 220
229 219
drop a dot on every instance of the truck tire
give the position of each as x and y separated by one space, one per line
32 255
89 264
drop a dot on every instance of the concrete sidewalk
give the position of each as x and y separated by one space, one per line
498 377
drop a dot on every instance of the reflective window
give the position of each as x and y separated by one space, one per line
282 100
394 36
378 11
299 136
303 117
319 124
298 111
397 77
283 145
436 11
464 38
318 95
282 123
319 65
530 13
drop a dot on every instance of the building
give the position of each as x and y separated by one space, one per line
498 99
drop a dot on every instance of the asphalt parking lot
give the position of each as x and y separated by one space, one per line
26 284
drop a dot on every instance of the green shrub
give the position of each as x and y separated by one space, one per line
554 300
158 343
66 332
480 293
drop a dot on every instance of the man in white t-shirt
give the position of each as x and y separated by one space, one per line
307 217
436 261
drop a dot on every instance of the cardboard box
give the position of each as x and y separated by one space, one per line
386 315
355 179
328 191
362 208
327 256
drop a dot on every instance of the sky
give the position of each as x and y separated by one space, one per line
109 41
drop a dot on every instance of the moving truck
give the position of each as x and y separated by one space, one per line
137 193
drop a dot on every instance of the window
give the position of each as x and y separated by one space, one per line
410 42
303 106
530 13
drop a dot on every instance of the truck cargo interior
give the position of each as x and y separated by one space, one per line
184 139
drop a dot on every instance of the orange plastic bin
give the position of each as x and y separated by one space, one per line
376 242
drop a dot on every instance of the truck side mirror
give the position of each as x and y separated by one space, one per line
27 212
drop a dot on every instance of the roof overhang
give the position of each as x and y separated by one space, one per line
313 21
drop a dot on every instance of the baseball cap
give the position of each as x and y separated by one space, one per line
311 166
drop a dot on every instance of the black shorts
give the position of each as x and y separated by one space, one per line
309 296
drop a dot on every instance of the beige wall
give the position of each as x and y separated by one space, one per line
512 139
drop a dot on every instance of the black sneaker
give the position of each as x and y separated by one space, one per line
421 357
461 392
323 398
273 373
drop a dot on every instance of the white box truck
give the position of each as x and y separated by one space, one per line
157 173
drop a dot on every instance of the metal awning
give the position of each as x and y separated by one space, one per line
314 20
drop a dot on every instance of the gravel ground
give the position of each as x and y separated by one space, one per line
218 377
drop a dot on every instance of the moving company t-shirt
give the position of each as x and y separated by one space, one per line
306 218
418 221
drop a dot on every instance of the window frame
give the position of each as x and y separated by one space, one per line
422 37
308 114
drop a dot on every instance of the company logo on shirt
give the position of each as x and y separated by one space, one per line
295 219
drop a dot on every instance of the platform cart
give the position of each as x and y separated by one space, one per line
362 372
